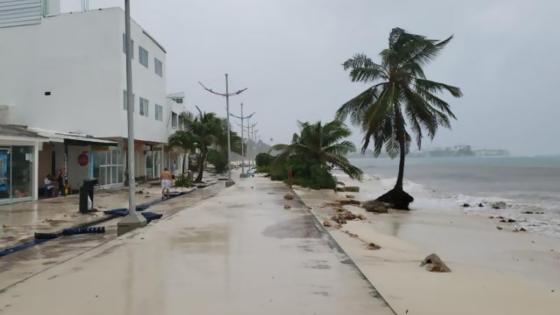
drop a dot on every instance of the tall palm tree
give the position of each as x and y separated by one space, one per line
205 128
401 99
320 145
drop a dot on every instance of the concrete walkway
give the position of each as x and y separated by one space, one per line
237 253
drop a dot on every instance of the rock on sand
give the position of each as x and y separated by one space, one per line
434 264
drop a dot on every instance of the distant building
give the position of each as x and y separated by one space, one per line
63 78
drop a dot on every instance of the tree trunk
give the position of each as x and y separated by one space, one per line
397 197
183 166
201 159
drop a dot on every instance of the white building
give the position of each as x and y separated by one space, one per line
63 76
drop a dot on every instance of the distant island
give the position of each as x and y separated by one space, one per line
455 151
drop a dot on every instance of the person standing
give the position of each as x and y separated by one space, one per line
166 182
60 181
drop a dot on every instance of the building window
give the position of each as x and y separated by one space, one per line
144 107
174 120
125 100
143 56
159 112
131 46
158 66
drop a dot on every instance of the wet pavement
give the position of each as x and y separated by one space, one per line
19 221
240 252
21 265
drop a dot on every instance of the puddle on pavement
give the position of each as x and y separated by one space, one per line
300 227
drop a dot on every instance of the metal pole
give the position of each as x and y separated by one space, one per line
228 130
133 219
242 153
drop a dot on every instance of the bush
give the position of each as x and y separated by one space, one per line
218 159
306 173
183 181
263 161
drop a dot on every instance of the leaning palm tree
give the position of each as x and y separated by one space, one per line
321 145
205 128
401 100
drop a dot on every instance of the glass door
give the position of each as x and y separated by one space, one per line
5 178
22 172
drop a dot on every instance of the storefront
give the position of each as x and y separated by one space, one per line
18 164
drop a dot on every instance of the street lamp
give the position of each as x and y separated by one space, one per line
242 118
230 181
133 219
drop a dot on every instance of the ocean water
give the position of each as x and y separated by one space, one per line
524 183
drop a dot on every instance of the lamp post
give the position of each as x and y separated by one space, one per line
242 118
230 181
133 219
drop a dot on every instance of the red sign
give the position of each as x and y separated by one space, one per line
83 158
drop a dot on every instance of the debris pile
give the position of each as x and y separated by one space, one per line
433 263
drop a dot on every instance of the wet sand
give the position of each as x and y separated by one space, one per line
240 252
493 271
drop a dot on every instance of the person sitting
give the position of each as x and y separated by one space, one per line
49 186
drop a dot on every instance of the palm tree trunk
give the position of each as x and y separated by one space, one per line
201 160
397 197
402 149
183 166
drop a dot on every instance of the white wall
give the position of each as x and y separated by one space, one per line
79 58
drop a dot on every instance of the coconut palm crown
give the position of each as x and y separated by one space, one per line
401 100
321 144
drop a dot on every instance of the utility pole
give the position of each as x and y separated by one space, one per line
230 181
133 219
242 118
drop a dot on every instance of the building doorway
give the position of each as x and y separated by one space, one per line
16 173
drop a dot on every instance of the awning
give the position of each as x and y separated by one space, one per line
72 137
19 133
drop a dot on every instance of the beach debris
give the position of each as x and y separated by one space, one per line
348 202
528 212
352 188
350 196
481 205
347 189
340 183
353 235
373 246
466 205
343 215
287 205
519 229
433 263
328 223
499 227
289 196
491 217
506 220
375 206
498 205
140 192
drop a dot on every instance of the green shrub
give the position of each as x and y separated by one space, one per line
306 173
263 161
218 159
183 181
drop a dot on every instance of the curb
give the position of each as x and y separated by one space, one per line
333 241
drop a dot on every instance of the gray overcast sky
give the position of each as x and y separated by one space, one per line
289 53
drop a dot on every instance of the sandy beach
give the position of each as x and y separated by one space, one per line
494 271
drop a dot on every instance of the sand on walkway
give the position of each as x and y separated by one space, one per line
493 271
